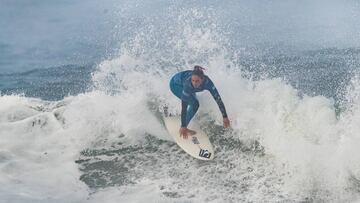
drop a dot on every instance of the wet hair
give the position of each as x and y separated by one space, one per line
198 71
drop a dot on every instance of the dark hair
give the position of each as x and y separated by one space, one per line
198 70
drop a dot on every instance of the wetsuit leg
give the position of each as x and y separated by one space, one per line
191 111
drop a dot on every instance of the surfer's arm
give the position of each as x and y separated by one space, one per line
184 106
215 94
187 97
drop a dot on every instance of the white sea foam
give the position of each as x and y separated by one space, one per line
314 153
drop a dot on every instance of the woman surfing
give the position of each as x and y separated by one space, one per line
184 85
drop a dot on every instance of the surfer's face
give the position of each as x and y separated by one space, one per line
196 81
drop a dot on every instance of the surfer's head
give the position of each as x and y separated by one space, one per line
197 76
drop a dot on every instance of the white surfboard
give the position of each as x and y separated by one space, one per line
198 145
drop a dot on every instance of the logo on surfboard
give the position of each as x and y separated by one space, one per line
204 153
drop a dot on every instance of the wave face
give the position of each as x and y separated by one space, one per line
94 133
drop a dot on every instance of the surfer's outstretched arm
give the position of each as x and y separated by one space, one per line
215 94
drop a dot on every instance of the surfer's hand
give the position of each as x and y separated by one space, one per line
183 132
226 123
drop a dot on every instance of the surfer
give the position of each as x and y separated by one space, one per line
184 85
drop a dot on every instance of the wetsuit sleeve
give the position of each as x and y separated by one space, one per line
184 106
186 97
212 89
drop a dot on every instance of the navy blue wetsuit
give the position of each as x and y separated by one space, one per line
181 86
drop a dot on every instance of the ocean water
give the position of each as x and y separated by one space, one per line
83 83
